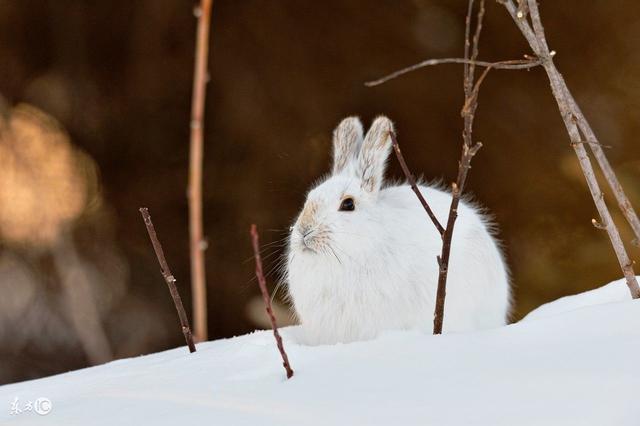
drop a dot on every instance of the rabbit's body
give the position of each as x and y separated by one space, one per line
354 273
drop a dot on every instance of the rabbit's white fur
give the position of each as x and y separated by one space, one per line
357 273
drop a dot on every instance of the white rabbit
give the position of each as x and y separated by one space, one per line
362 256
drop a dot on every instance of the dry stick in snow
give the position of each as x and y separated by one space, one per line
575 122
267 300
197 243
412 182
469 149
169 278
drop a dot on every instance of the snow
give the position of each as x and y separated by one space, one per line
615 291
571 362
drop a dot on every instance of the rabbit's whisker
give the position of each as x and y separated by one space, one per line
332 252
342 251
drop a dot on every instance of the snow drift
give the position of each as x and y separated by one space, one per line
573 361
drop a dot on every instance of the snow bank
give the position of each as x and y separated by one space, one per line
616 291
572 363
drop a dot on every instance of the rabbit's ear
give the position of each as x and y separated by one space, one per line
347 139
374 153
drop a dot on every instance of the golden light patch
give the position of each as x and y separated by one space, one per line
43 180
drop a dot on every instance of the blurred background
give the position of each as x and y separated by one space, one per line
94 123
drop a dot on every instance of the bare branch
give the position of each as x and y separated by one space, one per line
467 45
169 278
513 64
443 259
267 300
470 73
197 243
590 143
607 170
576 123
470 102
412 182
469 149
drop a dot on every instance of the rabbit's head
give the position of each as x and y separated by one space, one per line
340 213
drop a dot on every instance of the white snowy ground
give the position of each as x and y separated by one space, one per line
571 362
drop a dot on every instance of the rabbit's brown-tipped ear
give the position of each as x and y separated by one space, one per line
374 153
347 138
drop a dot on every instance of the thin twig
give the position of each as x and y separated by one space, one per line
412 182
469 149
591 143
467 43
513 64
470 102
267 300
610 176
443 259
169 278
470 74
197 243
575 123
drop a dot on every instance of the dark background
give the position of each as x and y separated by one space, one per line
95 102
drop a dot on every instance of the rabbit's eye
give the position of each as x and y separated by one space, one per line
347 205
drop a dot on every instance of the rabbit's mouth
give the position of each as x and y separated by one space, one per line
307 249
310 240
302 242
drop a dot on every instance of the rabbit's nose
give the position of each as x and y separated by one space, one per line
304 231
307 238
